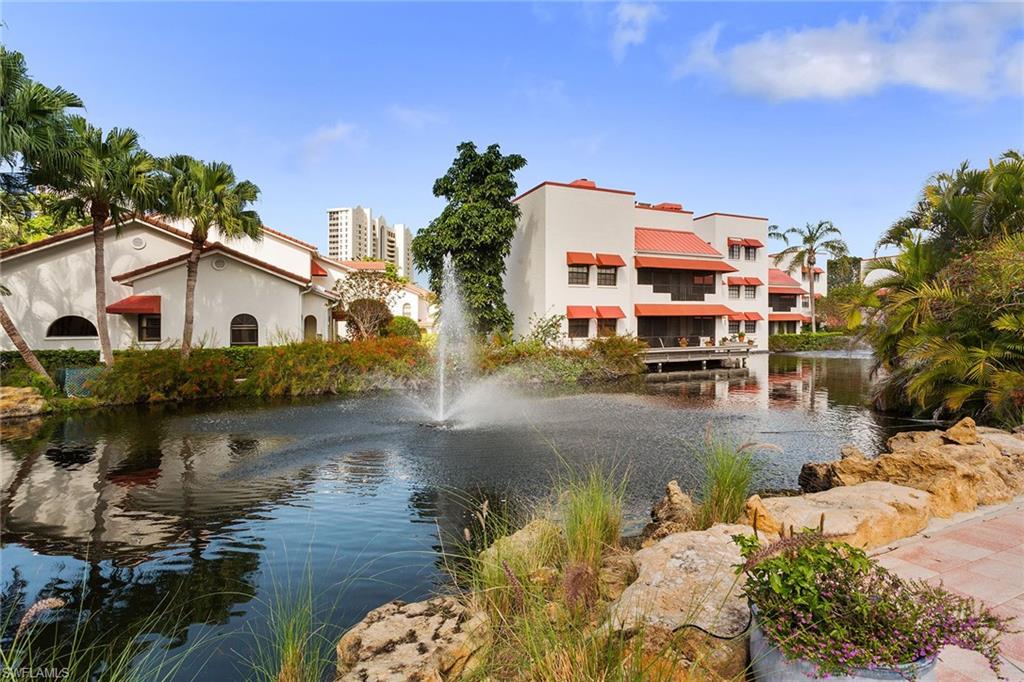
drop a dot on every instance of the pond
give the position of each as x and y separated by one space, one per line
221 509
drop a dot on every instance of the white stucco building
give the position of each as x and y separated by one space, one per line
610 264
354 233
274 290
789 299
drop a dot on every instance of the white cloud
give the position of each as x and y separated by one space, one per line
631 20
549 92
413 118
322 139
958 49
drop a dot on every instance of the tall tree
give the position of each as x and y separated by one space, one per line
476 227
208 195
811 240
109 177
33 125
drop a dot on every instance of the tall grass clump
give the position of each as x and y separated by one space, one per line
296 646
729 471
591 508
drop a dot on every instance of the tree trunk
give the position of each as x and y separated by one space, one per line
99 218
19 342
192 273
810 279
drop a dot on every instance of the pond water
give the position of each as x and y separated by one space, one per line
220 509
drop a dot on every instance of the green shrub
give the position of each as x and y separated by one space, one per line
405 327
161 374
729 470
788 343
13 370
592 516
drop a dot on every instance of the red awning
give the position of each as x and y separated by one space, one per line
737 316
753 316
736 281
788 291
787 317
579 258
682 264
580 312
753 242
754 282
610 260
610 312
749 281
134 305
316 270
681 310
735 241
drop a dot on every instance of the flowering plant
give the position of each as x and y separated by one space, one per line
827 603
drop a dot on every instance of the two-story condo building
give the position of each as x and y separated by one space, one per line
610 264
248 292
789 299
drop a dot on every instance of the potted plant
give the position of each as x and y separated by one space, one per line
709 343
683 343
822 608
742 335
724 340
750 342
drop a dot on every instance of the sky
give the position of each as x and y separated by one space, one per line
794 111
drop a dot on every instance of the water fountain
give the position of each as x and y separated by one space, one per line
454 345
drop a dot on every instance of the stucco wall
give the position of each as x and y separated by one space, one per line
57 280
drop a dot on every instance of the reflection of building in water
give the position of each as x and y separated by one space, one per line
127 496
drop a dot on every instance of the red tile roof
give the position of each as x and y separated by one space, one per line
134 305
787 317
82 231
671 241
580 312
682 264
681 310
787 291
216 246
316 270
779 277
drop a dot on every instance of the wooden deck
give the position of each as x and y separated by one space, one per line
702 354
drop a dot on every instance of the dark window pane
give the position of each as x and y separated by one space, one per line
149 327
751 292
606 276
734 291
579 274
606 327
579 329
751 326
734 251
244 331
734 326
72 325
751 253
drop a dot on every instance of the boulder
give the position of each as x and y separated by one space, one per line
817 476
617 572
912 440
963 432
429 641
673 513
865 515
850 450
534 545
20 401
1008 443
688 579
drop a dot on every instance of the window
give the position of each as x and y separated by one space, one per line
751 253
149 327
734 326
734 251
606 327
817 277
579 274
704 280
244 331
750 326
606 275
751 292
407 309
805 301
579 329
72 325
734 291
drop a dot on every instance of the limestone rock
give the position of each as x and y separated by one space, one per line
963 432
20 401
536 544
1008 444
817 476
617 572
429 641
688 578
850 450
673 513
912 440
866 514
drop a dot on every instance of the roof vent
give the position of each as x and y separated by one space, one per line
138 243
219 264
665 206
583 182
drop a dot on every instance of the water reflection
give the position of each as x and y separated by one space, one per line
215 508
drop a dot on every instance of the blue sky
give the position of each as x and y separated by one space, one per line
793 111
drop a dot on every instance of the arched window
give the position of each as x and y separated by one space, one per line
407 309
72 325
244 331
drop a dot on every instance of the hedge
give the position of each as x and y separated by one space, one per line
783 343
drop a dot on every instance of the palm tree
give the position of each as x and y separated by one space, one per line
110 178
32 126
814 238
208 195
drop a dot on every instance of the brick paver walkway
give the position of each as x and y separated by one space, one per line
980 555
